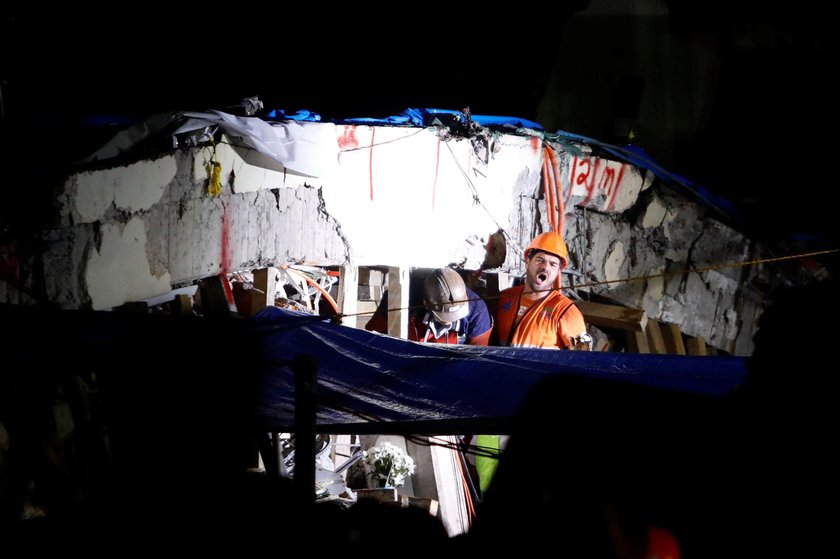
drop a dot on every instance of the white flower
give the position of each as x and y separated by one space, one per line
389 464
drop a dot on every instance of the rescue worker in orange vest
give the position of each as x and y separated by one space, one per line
536 314
452 313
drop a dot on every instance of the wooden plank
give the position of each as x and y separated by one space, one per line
265 288
637 342
242 298
613 316
364 312
182 305
672 336
383 495
398 278
213 298
654 338
376 284
696 346
348 290
452 504
425 503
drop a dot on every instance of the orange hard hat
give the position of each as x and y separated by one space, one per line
552 243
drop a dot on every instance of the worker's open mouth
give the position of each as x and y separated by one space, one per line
542 277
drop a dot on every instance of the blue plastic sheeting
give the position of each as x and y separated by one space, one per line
427 117
507 121
395 120
302 115
368 377
635 155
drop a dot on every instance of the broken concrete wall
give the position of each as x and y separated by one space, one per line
133 231
632 245
398 196
642 263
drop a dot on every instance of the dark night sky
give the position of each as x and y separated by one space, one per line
771 110
151 62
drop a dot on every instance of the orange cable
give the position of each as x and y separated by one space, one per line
312 282
547 191
558 191
465 487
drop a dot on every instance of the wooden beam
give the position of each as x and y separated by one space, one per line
654 338
452 505
348 291
214 300
398 278
383 495
613 316
637 342
364 312
265 288
182 305
243 298
696 346
672 336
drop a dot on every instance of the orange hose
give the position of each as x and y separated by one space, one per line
318 287
558 191
548 191
464 486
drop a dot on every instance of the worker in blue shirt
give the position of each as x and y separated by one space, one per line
451 313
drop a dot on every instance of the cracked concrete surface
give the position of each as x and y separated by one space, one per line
411 198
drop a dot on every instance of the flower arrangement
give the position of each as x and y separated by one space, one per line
389 465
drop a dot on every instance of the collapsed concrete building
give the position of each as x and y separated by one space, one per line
434 188
186 205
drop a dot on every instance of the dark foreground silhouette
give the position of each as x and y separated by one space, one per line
592 465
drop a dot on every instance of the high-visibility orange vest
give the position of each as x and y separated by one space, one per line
548 323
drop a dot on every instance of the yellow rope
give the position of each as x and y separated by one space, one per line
705 268
637 278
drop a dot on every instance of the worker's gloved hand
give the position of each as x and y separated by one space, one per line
582 342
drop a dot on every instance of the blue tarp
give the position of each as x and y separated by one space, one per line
365 377
636 155
414 117
208 373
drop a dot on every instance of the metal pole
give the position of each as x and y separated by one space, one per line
305 369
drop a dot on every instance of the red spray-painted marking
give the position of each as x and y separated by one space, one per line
347 139
616 185
596 178
590 183
225 256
